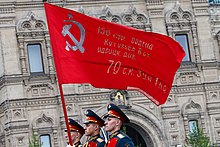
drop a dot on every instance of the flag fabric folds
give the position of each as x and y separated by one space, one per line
109 55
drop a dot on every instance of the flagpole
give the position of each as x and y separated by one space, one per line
65 114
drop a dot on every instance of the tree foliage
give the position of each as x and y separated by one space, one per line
198 139
34 141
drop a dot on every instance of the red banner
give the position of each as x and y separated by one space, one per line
109 55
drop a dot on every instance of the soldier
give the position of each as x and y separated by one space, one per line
114 120
76 131
93 124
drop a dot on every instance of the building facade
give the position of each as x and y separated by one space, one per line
29 95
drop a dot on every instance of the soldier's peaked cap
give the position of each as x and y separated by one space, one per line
92 117
74 126
115 111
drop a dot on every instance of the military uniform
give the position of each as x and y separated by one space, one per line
74 126
118 138
95 141
78 144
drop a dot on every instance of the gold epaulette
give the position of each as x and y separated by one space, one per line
120 135
99 139
85 144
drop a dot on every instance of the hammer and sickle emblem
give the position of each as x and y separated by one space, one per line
66 31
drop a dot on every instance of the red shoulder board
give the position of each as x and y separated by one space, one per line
92 144
112 142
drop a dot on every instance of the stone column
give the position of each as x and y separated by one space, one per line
22 55
195 42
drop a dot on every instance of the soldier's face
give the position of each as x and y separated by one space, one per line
73 133
90 129
111 124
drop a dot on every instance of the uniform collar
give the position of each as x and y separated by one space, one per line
94 137
115 134
77 144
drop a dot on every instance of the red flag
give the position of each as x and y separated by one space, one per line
109 55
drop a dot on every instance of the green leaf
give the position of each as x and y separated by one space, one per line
34 141
198 139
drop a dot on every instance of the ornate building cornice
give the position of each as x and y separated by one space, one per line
17 127
200 7
28 102
10 79
199 1
213 108
154 2
188 65
45 101
87 97
7 15
171 114
191 88
188 88
6 10
133 93
212 86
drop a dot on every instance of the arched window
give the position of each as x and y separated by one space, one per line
182 26
193 126
34 48
45 140
35 58
184 42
